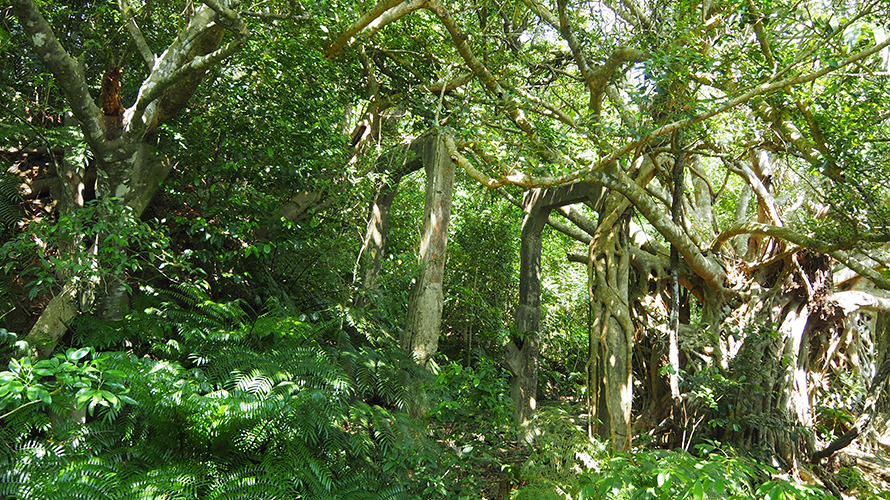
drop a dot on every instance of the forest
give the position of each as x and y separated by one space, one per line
444 249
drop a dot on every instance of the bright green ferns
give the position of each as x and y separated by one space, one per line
267 409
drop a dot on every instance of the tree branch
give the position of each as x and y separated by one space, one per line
230 16
761 34
450 85
805 241
766 198
68 72
602 74
391 15
596 79
565 29
459 38
640 15
359 25
572 232
179 61
854 300
765 88
613 178
135 33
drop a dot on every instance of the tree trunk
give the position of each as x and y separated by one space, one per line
370 260
522 353
612 332
135 192
773 408
420 338
679 182
374 244
129 168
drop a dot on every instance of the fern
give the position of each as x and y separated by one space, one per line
230 413
179 481
251 482
10 200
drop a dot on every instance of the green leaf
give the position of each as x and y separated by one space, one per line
698 491
111 398
44 395
663 480
15 366
84 395
33 393
76 355
719 486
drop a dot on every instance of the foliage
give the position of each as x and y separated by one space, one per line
230 415
478 394
101 240
479 285
562 446
566 463
76 383
241 372
10 200
838 408
677 474
857 484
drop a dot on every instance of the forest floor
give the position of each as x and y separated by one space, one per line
493 465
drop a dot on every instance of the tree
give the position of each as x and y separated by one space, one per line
717 166
130 168
566 99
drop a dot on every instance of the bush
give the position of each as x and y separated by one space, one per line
663 474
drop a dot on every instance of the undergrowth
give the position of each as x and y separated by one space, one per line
208 404
191 398
566 464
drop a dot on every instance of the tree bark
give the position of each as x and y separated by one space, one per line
609 372
522 353
773 407
129 168
420 338
679 178
612 331
370 260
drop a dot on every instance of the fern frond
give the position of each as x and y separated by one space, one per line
179 481
251 482
10 200
91 478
